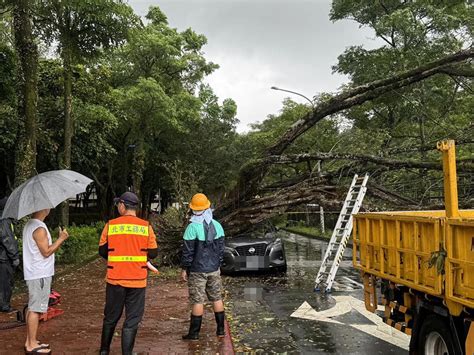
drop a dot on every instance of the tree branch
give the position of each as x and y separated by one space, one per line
463 165
466 71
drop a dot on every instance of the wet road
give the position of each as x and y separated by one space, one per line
261 307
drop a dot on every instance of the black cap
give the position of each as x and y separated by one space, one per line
128 198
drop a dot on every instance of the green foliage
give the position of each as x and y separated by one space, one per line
170 219
156 16
321 138
8 68
136 91
83 242
143 118
84 26
404 122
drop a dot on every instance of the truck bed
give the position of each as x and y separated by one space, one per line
398 245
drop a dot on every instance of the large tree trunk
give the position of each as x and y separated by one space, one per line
66 55
27 50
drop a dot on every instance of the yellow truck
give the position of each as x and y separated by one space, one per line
423 264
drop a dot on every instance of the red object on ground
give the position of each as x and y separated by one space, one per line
166 318
54 298
51 313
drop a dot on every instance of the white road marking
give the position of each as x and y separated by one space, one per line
337 286
353 281
345 304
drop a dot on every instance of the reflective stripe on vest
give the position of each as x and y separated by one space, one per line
116 259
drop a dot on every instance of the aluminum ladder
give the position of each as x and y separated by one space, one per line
341 234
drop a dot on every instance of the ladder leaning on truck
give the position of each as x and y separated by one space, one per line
424 261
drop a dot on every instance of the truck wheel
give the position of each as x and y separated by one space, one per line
435 337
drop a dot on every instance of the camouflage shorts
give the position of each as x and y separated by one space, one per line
201 284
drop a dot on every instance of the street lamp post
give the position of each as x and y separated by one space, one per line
293 92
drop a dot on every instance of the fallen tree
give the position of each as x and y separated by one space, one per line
245 207
251 201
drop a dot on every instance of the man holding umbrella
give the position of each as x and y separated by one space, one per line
38 268
36 197
9 259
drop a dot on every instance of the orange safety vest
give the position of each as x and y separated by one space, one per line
127 239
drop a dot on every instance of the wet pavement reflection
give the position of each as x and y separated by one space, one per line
261 306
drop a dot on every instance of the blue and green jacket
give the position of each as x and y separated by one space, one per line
203 248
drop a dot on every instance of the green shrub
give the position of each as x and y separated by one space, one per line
82 243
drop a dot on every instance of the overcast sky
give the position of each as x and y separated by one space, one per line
290 44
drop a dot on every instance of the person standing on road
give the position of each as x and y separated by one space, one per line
127 243
203 252
38 269
9 259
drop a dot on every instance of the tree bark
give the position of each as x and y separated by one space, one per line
25 161
139 155
66 54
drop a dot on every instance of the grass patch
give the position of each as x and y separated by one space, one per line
167 272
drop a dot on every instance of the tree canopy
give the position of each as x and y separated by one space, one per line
88 85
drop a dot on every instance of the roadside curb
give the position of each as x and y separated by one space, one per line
228 344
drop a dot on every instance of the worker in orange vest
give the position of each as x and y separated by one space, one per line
127 243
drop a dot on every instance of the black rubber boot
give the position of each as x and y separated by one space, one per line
106 339
194 328
128 340
220 317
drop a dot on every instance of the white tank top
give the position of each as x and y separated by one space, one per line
35 265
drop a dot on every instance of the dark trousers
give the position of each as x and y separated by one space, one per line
118 297
6 285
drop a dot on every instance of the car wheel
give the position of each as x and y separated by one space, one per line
282 269
435 337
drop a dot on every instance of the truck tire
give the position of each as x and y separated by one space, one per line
435 337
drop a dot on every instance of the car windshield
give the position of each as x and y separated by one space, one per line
259 230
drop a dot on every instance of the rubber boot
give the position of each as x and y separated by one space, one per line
128 340
220 317
106 339
194 328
